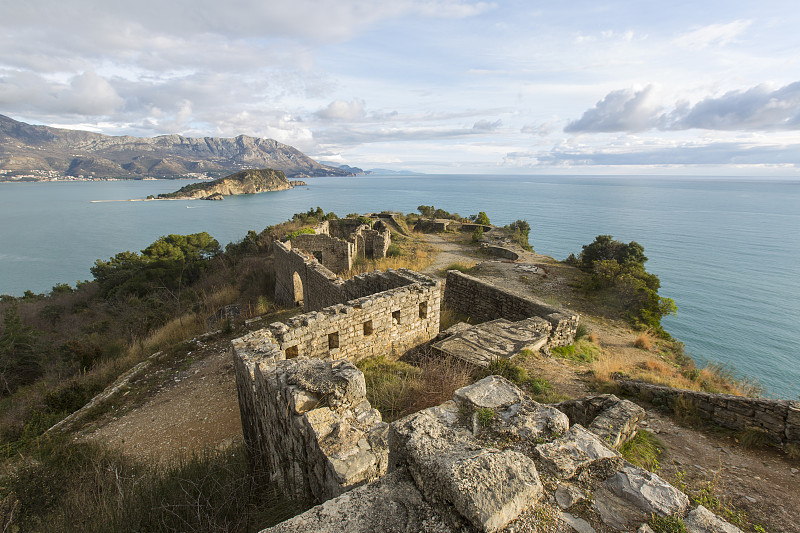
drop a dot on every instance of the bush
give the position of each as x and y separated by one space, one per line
642 342
302 231
394 251
617 271
520 230
480 218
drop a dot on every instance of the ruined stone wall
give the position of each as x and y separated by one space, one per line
482 301
779 419
380 313
336 254
307 423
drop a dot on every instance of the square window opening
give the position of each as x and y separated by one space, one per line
396 317
333 340
368 328
423 310
292 352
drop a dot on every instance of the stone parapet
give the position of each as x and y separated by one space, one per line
482 302
778 419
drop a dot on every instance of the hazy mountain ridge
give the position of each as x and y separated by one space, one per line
42 149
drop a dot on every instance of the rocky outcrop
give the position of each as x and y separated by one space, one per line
244 182
74 152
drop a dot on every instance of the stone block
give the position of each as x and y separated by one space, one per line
492 392
577 448
701 520
647 491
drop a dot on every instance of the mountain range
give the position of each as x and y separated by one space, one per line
41 152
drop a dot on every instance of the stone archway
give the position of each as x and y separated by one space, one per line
297 289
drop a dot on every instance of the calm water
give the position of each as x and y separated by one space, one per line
727 251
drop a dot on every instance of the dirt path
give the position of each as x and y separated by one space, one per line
449 252
193 408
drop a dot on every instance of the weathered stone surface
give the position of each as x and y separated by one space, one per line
576 523
701 520
489 487
492 392
497 339
393 504
647 491
644 528
618 423
612 419
485 486
616 512
577 448
568 495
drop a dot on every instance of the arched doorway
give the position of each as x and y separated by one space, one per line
297 287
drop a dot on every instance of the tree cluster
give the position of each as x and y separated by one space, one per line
617 269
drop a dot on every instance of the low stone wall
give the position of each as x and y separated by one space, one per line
499 251
482 301
308 426
779 419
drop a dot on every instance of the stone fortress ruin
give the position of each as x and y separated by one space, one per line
485 459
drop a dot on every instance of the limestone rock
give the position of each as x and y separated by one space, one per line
616 512
392 504
576 523
577 448
647 491
486 487
492 392
568 495
701 520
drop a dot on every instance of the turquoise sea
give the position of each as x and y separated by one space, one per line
726 250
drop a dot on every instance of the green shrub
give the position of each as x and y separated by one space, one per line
302 231
666 524
644 450
394 251
485 416
618 273
477 235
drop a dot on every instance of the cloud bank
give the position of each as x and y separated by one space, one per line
759 108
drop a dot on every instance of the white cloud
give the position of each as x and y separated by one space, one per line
621 110
342 110
713 35
759 108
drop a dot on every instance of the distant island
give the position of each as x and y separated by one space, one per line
40 153
244 182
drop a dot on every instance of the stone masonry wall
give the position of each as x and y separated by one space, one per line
386 323
779 419
336 254
308 425
482 301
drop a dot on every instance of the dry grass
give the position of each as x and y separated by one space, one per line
643 341
398 389
415 255
664 363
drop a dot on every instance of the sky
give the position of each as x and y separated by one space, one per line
447 86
